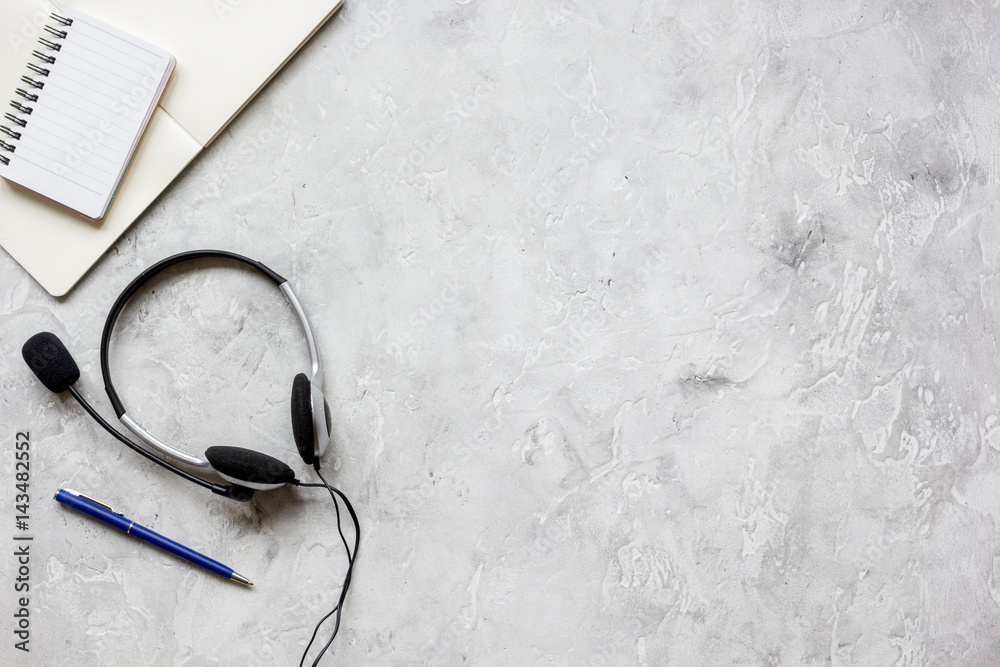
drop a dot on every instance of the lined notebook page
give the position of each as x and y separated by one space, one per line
89 92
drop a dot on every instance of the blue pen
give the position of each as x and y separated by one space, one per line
102 512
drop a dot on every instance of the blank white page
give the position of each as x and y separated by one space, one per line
90 93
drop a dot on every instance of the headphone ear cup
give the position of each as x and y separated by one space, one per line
302 421
248 468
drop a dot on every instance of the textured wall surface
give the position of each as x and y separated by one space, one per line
655 333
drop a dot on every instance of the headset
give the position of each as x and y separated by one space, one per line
245 470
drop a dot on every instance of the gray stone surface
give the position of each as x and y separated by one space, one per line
655 333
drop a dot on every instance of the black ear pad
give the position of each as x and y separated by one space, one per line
246 465
302 421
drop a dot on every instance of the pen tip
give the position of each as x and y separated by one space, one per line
240 579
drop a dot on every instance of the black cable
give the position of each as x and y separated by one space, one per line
347 583
347 579
339 608
216 488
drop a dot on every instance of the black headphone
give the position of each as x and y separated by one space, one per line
245 469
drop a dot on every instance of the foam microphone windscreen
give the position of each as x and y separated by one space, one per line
50 361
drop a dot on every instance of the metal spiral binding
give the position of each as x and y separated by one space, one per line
34 84
31 82
8 146
38 70
14 119
43 57
61 34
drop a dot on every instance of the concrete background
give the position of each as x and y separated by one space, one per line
654 333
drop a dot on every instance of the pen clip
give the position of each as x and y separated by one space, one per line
98 502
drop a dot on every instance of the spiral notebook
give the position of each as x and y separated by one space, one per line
87 96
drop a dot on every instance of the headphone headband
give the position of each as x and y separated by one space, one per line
146 276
